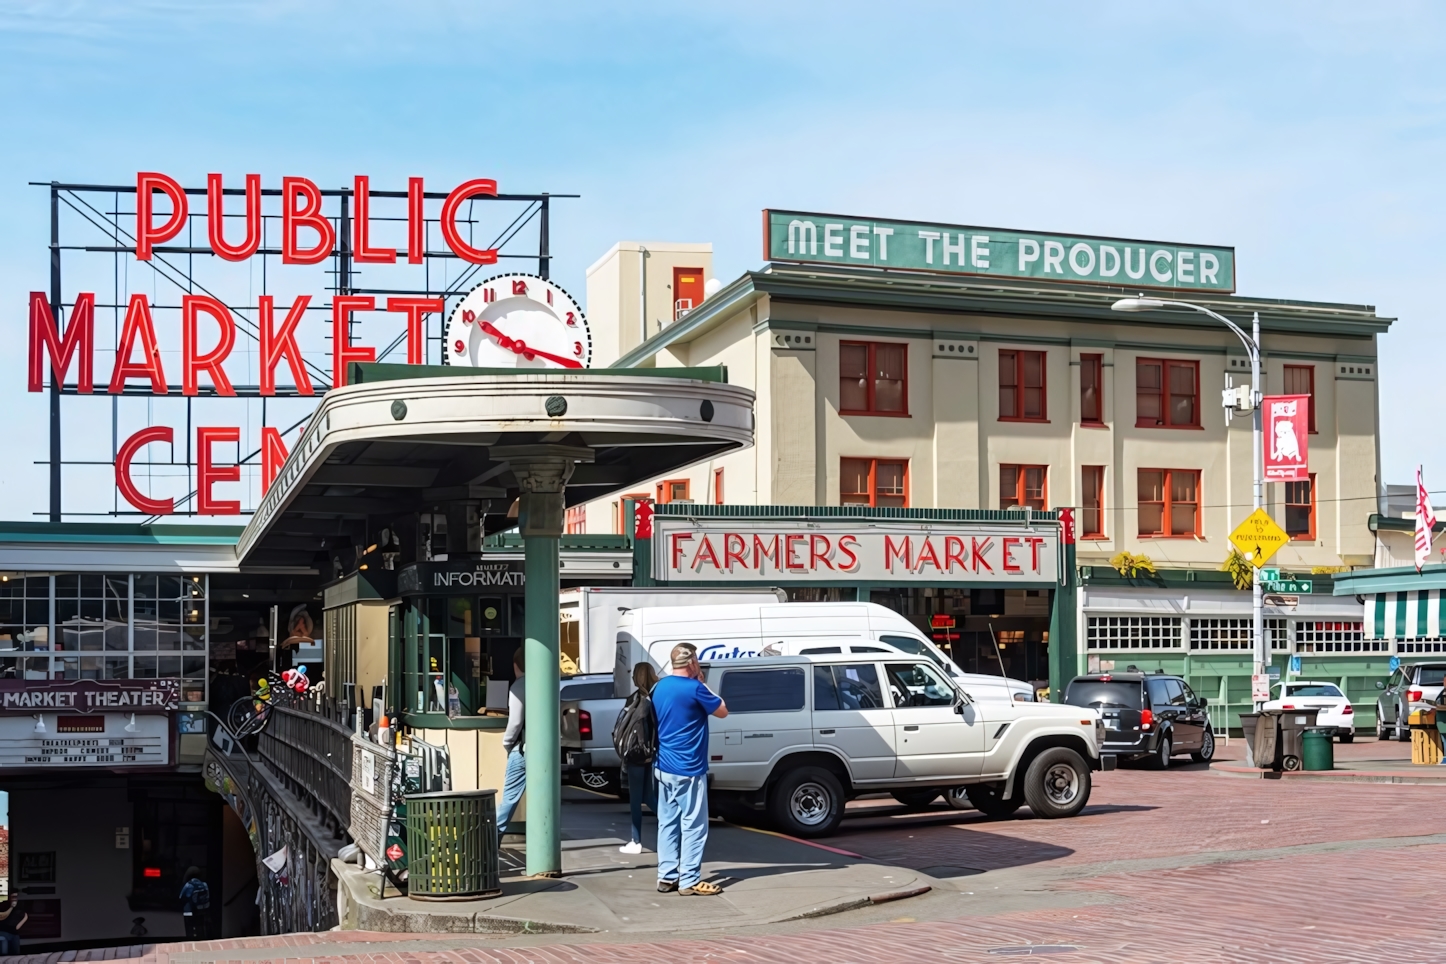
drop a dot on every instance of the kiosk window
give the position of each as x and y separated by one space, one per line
762 690
853 686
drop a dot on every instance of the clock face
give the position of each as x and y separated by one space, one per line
518 321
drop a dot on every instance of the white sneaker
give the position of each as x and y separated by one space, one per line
635 847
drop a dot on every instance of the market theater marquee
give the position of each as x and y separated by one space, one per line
707 550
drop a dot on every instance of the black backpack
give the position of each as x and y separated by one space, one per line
635 734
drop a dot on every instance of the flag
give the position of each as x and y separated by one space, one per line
1425 522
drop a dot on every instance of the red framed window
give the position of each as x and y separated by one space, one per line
873 378
1300 509
672 490
717 486
1300 380
1091 389
1169 502
576 522
876 482
1021 386
1167 393
618 509
1092 502
1023 486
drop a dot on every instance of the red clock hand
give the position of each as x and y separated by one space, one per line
518 347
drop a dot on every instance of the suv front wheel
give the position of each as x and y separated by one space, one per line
1057 783
807 802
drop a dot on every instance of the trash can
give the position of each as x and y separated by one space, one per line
1293 724
1318 748
452 845
1248 726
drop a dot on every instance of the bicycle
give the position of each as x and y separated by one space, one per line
249 715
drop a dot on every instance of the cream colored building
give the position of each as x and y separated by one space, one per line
639 288
930 423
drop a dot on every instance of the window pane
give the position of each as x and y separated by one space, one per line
762 690
1033 369
1152 485
825 693
889 484
1008 382
858 687
1297 520
1034 487
1152 514
117 667
1182 395
853 368
1182 486
1091 516
1148 389
853 483
1090 371
1008 486
889 386
915 684
1182 519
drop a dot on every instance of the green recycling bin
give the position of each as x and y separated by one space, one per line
1318 748
452 845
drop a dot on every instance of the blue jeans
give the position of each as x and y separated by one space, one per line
513 783
641 790
682 827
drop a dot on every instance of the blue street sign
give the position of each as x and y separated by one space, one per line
1395 663
1295 664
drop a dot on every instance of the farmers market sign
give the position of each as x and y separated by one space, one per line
995 252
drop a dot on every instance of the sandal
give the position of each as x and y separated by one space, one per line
702 888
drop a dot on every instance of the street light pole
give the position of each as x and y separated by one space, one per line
1252 349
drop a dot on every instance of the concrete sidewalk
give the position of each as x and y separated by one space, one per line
766 878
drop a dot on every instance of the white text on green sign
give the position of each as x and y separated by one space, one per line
995 252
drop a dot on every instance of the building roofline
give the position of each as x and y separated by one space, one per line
920 291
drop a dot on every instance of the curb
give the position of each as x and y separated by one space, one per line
856 903
1384 777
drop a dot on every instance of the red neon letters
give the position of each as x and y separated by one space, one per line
147 234
138 324
415 308
463 250
343 352
208 473
273 456
79 339
193 363
216 218
361 248
309 215
138 441
281 343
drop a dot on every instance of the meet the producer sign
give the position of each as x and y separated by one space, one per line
708 551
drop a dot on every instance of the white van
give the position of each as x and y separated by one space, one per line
746 631
588 615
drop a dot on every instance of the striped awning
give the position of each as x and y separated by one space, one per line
1404 615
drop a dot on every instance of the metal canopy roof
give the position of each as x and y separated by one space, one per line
393 443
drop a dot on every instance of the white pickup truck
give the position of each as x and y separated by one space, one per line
804 734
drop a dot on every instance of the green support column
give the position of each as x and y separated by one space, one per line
1064 616
542 472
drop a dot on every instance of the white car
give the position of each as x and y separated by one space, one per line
1332 706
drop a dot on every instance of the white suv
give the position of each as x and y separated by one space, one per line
804 734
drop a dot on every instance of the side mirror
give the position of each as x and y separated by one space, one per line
1202 701
1380 684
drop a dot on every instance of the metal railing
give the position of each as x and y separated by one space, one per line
308 746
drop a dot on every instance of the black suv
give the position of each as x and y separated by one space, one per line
1149 716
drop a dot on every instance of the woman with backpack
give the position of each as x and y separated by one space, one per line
636 739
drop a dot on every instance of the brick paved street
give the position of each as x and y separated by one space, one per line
1174 866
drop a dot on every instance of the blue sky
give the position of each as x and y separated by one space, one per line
1307 135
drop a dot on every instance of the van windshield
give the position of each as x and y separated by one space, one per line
1104 693
912 646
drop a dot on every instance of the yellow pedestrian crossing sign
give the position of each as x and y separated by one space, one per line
1258 537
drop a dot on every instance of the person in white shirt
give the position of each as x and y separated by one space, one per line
514 741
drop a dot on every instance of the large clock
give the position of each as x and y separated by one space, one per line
518 321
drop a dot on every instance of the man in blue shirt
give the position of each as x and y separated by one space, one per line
682 705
